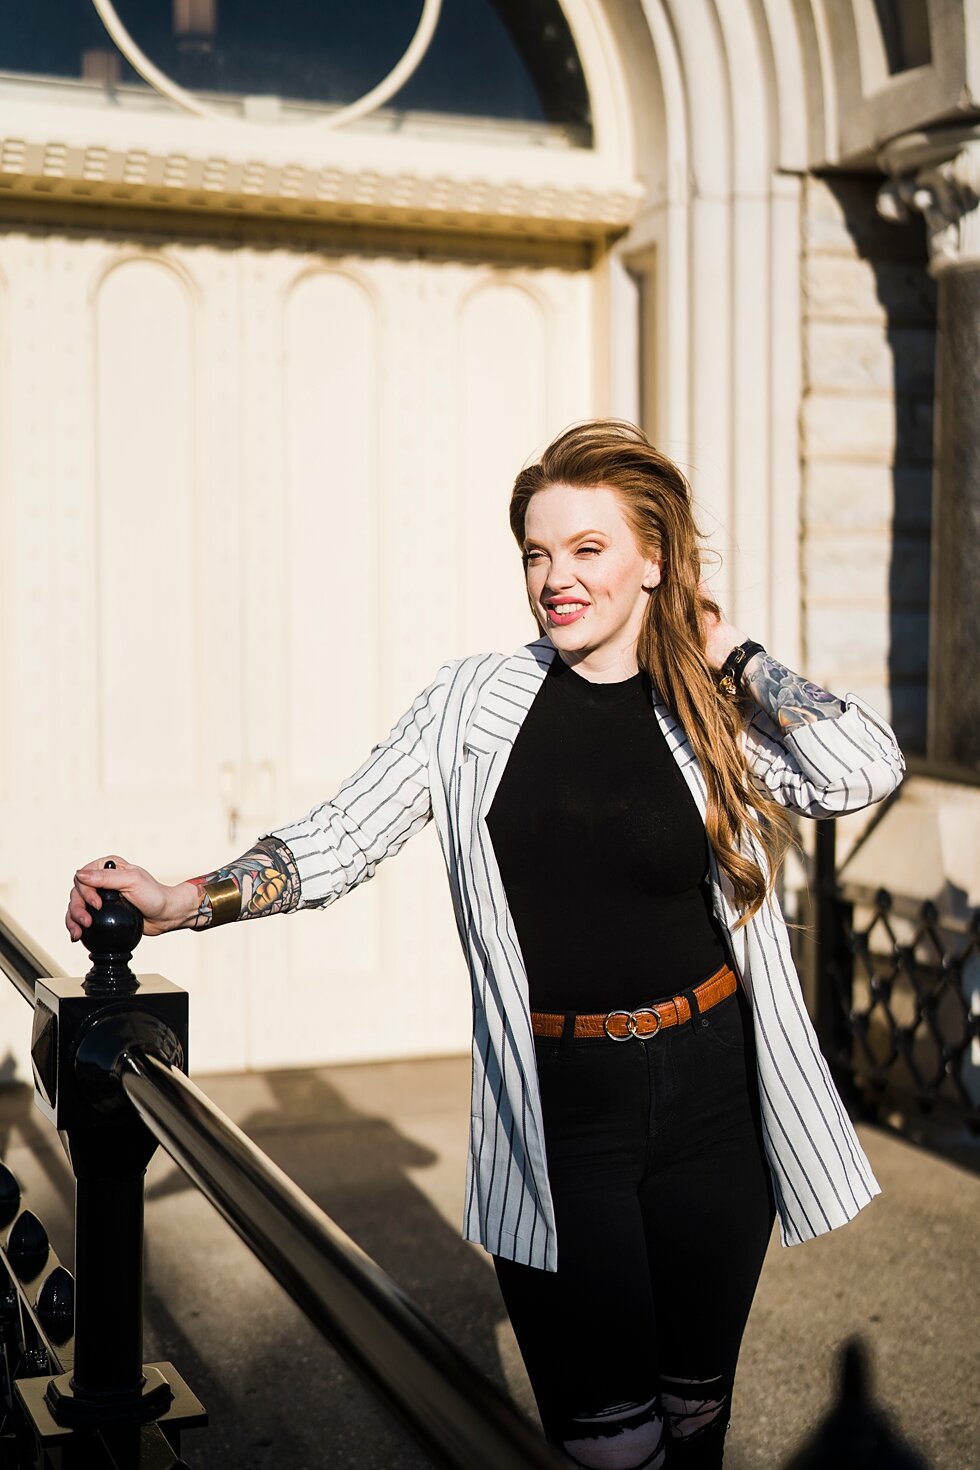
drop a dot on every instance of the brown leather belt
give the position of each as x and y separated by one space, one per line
645 1021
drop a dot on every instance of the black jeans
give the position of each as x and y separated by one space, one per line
664 1209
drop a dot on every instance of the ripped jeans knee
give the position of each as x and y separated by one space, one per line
622 1437
695 1410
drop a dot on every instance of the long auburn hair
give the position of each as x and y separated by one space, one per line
656 502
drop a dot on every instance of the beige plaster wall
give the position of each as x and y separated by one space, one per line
252 495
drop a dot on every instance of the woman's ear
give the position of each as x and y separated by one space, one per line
654 575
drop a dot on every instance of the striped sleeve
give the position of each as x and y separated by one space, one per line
828 767
340 843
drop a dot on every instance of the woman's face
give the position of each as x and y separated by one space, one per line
587 578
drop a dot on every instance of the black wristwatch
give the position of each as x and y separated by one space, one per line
730 679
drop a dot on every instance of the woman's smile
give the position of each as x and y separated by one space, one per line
563 613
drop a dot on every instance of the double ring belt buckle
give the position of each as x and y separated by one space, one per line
631 1030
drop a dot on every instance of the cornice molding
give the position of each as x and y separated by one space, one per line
182 180
392 179
137 176
937 174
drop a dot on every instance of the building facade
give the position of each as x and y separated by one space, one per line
285 302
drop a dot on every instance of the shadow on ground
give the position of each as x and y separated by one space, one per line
275 1392
382 1149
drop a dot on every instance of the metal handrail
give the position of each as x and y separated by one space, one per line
463 1421
459 1416
21 960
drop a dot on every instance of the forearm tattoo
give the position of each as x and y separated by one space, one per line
789 699
267 879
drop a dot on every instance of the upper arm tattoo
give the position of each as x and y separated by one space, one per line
267 879
787 697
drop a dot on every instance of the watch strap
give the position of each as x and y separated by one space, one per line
730 678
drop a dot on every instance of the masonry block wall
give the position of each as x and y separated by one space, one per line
866 442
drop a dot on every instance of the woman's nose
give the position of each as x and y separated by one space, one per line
561 574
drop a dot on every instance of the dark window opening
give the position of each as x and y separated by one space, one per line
904 26
498 59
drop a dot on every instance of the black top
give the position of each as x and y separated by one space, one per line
602 851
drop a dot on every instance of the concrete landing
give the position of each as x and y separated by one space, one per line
381 1148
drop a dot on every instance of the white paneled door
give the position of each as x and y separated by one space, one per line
250 500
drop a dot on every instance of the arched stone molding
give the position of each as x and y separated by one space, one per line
524 287
547 311
791 45
333 268
817 68
716 252
143 254
593 33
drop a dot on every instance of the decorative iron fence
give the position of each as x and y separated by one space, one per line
894 1011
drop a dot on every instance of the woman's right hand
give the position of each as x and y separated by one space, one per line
163 908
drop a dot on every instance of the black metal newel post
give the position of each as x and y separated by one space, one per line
108 1369
108 1054
825 875
80 1029
835 961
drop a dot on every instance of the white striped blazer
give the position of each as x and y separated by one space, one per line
444 760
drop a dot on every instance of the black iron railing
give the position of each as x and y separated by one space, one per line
108 1055
893 997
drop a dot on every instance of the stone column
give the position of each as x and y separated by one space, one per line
937 174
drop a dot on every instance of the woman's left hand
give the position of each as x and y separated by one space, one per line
720 636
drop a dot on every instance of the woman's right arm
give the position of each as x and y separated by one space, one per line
265 878
308 863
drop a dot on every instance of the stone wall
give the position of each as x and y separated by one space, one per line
866 442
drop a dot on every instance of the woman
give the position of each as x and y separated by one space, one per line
611 802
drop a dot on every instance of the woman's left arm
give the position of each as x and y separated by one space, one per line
788 700
818 755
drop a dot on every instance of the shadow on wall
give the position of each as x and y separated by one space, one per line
898 257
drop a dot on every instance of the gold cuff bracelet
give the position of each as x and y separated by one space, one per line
225 897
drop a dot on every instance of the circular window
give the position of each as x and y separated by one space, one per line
499 59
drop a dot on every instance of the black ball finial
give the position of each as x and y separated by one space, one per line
115 931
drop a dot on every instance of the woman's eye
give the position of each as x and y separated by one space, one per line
589 550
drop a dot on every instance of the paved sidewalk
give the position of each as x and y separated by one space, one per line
382 1149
